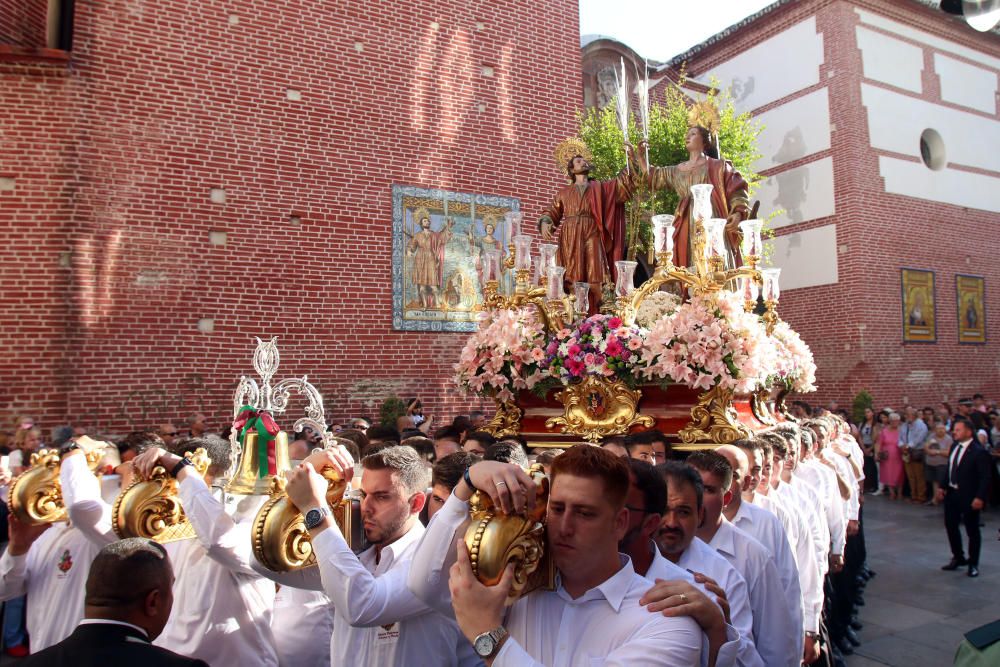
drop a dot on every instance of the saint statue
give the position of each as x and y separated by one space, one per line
427 249
729 193
589 216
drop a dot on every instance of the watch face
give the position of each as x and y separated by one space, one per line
313 517
484 645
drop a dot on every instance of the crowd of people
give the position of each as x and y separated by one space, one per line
749 554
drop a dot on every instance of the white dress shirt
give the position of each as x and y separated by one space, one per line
810 579
851 506
604 626
661 568
800 497
767 529
699 557
53 573
222 608
823 481
777 625
378 620
83 497
301 621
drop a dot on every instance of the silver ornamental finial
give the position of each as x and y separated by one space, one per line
266 359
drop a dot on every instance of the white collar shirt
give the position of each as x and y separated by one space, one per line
798 495
378 620
301 619
53 574
955 460
222 608
824 482
605 626
701 558
810 579
767 529
777 625
83 497
851 506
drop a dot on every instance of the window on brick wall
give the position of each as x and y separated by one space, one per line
932 149
37 24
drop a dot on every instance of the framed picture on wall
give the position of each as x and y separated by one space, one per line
919 323
969 292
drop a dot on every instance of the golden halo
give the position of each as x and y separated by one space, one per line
569 149
491 219
420 214
705 114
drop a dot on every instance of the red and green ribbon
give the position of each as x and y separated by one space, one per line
260 421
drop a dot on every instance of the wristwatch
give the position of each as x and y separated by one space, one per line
184 462
488 643
315 516
468 480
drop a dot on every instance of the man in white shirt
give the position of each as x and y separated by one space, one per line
378 620
763 526
50 563
222 608
776 623
772 453
678 541
594 616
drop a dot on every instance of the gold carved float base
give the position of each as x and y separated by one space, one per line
714 420
506 421
596 408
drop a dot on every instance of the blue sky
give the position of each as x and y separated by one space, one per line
661 29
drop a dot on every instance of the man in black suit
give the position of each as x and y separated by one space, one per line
965 494
127 604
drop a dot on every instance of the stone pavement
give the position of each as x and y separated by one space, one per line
915 614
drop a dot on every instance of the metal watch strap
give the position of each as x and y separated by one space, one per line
180 464
320 512
468 480
497 635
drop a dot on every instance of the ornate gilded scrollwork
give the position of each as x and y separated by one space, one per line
597 407
760 409
506 421
150 508
495 539
36 494
280 540
713 420
781 407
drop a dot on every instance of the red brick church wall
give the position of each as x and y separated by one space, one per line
110 162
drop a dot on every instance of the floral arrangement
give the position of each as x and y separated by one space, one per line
504 355
600 345
794 364
655 307
710 341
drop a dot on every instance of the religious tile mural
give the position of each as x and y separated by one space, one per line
919 325
971 311
438 241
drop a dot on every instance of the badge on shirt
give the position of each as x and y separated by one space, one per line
387 634
65 562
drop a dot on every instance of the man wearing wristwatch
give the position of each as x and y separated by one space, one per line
222 607
378 620
594 615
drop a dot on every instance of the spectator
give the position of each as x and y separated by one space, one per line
380 434
447 440
640 447
945 414
444 476
360 424
27 440
423 445
357 436
476 442
938 448
462 424
478 419
995 429
616 445
912 436
167 433
546 458
890 459
196 425
867 429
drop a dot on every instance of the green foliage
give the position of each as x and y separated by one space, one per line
392 409
668 124
861 402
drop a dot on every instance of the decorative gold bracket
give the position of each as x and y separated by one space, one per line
714 420
598 407
506 421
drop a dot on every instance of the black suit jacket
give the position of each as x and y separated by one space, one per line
973 474
107 645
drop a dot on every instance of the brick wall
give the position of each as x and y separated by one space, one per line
113 160
23 23
855 326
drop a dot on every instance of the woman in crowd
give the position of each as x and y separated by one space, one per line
867 429
938 447
27 440
890 458
881 421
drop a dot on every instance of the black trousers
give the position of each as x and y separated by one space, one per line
954 515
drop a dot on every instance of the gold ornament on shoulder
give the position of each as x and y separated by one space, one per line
150 508
597 407
495 539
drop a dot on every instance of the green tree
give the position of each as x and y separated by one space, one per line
668 123
392 409
862 401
